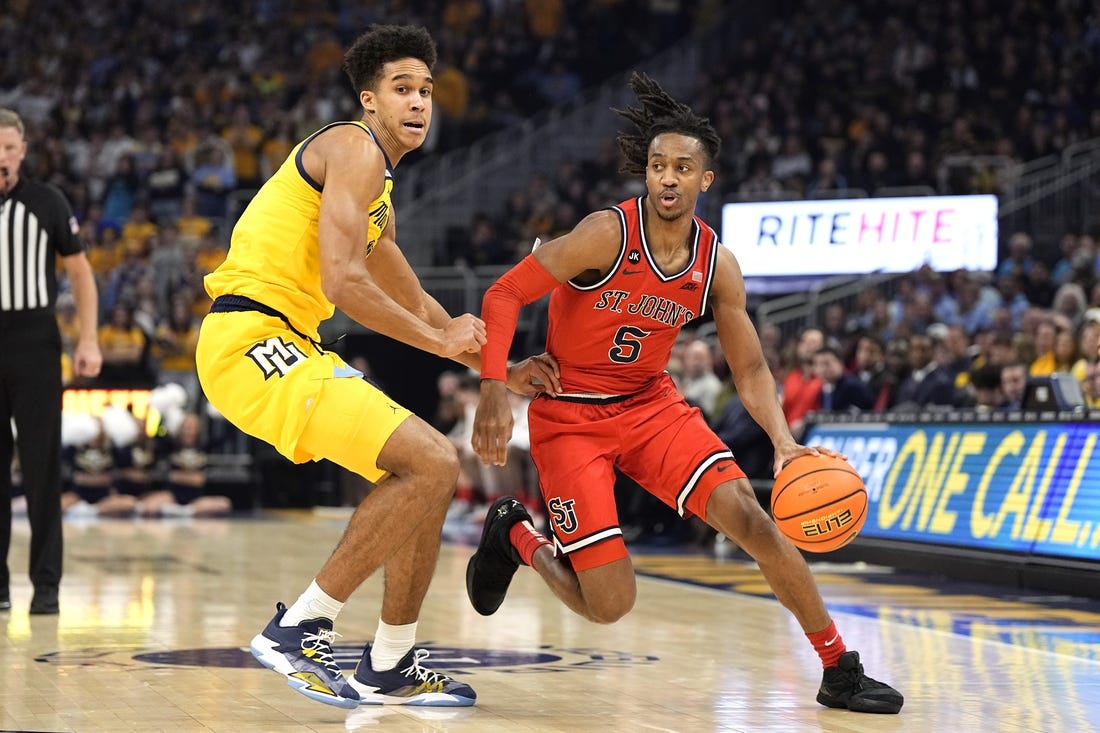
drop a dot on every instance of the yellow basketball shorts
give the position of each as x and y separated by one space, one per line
277 386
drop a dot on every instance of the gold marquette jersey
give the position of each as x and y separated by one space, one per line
274 254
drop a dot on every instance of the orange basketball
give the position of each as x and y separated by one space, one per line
819 502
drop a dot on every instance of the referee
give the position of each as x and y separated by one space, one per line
36 225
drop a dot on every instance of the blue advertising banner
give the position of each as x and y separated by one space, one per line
1026 488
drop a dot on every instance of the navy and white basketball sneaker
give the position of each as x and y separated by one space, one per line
408 683
845 686
489 571
304 654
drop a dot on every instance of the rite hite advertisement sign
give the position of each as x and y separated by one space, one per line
858 236
1026 488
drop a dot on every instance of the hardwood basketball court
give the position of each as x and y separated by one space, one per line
156 617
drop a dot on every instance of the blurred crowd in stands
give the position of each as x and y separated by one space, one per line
159 120
858 98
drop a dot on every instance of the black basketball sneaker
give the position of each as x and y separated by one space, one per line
845 686
491 568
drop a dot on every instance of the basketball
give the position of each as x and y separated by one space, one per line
819 502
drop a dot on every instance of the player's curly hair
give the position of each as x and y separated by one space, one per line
381 44
659 113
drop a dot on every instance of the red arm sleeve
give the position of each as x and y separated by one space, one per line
525 283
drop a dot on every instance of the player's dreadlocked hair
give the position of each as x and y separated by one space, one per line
381 44
659 113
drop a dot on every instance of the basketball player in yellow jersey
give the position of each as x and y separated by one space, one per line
320 235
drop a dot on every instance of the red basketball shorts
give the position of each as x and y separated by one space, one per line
654 437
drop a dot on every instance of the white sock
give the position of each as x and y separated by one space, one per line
390 644
314 603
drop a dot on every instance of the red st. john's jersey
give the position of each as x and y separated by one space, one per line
614 336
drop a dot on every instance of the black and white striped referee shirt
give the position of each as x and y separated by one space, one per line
36 225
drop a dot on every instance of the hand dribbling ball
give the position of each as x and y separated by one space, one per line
819 502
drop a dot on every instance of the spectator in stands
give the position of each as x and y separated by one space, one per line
213 180
955 354
928 384
211 253
123 347
146 312
449 409
138 229
828 180
1040 288
1046 360
917 312
771 343
750 445
1010 286
1002 348
1085 262
279 139
122 189
792 166
875 173
1066 353
976 301
181 469
1090 383
192 226
89 466
1088 343
840 392
1071 302
760 184
801 389
1013 385
872 314
984 389
483 246
558 84
897 369
1019 258
869 363
916 173
104 250
244 138
697 381
131 451
166 186
469 492
174 343
1064 266
834 328
170 266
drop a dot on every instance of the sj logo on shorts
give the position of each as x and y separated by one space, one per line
275 356
562 514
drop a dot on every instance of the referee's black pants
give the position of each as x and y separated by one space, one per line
30 393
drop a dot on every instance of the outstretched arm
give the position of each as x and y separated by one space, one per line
741 345
592 245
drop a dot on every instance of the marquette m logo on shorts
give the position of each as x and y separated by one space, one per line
275 356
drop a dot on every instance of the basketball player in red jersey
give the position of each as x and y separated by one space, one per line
625 281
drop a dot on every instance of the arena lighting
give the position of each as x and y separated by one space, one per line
860 236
